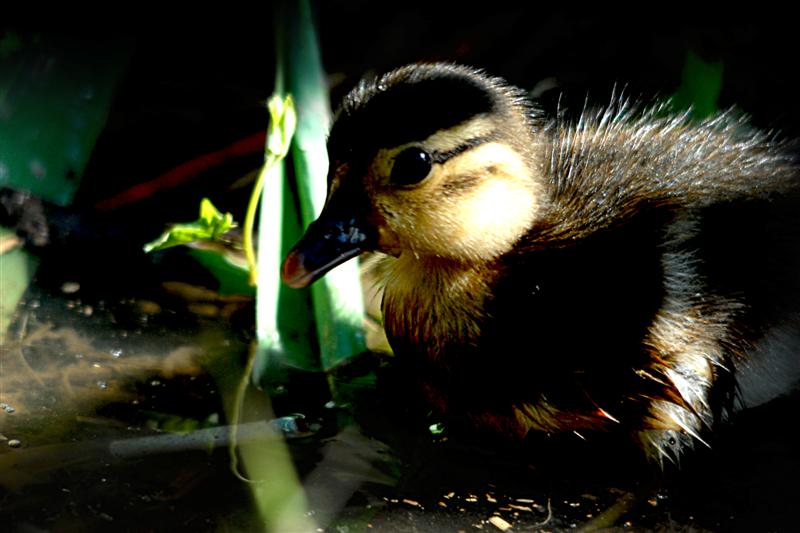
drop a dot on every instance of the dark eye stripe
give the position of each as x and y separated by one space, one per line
441 157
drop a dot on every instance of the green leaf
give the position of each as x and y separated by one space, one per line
210 226
337 297
286 324
55 94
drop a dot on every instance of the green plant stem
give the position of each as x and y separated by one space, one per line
250 217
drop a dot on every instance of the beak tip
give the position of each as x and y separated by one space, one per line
293 272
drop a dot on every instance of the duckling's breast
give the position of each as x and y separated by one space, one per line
535 340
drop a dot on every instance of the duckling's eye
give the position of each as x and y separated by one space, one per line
412 165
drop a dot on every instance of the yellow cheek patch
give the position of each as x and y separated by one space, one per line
488 198
473 207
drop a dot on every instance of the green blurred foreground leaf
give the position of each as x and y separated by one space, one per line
211 225
56 90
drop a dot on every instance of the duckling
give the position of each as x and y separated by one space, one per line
629 272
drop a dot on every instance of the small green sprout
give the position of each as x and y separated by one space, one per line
211 225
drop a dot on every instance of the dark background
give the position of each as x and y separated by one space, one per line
196 85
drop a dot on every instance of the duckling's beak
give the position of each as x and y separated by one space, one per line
329 241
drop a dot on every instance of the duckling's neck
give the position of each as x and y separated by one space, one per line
430 301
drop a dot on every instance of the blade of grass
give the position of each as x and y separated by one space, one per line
279 345
338 301
277 492
284 321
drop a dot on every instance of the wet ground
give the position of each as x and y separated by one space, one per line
116 376
114 419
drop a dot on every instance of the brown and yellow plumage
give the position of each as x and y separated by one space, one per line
624 272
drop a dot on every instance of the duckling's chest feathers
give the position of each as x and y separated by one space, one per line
531 330
432 303
462 312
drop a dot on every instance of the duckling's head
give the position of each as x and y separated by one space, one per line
430 160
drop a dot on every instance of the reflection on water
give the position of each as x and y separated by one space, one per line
107 410
57 371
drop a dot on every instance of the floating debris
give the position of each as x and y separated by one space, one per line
520 507
148 307
499 523
70 287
